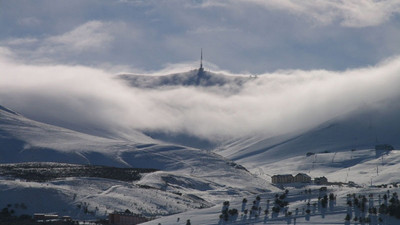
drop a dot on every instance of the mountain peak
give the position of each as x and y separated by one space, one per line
197 77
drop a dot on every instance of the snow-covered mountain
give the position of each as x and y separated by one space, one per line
360 129
187 178
25 140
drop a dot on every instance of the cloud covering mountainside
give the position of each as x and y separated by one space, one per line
95 101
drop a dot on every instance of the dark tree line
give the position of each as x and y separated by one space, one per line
42 172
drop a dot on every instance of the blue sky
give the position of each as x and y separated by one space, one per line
254 36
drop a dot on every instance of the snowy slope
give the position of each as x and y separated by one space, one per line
334 213
364 167
24 140
101 195
361 166
188 178
360 129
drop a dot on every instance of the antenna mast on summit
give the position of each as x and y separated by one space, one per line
201 59
201 69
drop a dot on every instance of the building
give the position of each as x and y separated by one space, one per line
122 218
282 179
321 180
302 178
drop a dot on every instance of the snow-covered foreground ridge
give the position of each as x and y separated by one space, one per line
305 205
187 178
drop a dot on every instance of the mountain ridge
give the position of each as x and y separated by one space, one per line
195 77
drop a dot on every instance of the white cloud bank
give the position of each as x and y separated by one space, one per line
91 35
84 97
350 13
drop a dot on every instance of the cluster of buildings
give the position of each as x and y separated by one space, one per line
299 178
